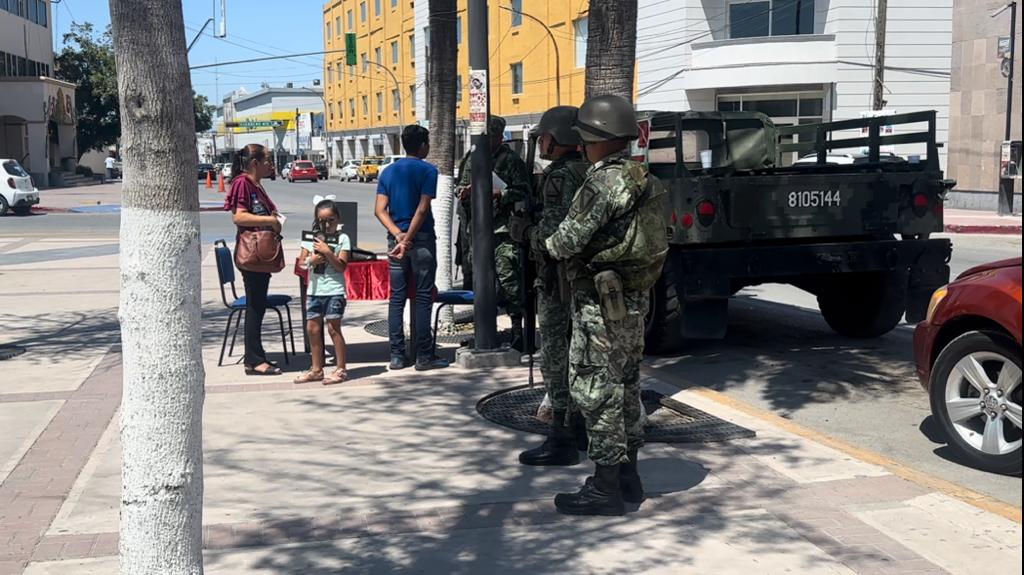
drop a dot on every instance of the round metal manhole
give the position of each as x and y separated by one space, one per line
463 330
9 351
668 420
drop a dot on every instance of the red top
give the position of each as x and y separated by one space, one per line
247 194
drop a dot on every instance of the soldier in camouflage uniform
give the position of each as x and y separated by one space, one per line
614 244
512 170
557 142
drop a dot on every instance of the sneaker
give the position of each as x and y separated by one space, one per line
428 364
398 362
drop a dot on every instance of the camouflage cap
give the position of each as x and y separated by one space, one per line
496 125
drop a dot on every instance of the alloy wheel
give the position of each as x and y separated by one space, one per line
983 400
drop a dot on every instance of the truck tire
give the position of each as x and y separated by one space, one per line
663 324
864 305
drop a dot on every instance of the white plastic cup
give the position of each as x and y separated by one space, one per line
705 159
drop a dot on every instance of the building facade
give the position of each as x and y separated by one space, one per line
297 111
977 102
37 112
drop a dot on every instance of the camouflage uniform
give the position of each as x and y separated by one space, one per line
614 223
512 170
559 183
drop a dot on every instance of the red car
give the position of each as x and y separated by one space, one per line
968 356
303 170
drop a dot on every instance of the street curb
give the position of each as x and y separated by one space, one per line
971 229
948 488
48 210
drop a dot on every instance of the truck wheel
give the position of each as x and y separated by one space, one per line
663 324
864 305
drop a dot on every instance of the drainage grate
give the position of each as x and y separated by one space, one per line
668 420
9 351
463 333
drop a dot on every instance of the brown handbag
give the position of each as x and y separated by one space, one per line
259 251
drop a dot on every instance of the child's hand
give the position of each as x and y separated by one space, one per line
321 247
317 259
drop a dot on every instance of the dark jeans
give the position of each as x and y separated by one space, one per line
256 286
418 266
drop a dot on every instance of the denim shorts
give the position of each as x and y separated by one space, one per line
325 306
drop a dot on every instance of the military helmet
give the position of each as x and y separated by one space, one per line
496 125
558 122
605 118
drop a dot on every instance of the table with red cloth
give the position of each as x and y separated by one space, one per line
364 280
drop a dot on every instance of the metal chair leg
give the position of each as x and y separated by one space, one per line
291 327
284 337
437 319
238 324
224 342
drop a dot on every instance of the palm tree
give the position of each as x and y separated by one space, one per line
441 77
611 48
160 309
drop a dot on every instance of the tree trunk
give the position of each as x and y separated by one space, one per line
611 48
160 305
441 80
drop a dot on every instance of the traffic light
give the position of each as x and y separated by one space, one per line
350 48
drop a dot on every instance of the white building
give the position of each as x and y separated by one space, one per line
37 113
290 107
798 61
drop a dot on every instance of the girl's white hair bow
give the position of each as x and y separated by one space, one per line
318 199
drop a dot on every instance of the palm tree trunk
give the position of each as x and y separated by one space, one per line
441 78
611 48
160 303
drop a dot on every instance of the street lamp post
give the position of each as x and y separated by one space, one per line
398 90
554 44
327 145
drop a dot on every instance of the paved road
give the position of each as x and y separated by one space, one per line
779 354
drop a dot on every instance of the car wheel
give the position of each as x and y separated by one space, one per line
22 210
4 206
975 393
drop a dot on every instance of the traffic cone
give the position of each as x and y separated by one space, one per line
220 183
209 180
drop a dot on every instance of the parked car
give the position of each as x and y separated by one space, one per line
287 169
369 169
18 192
388 160
205 170
321 170
848 159
303 170
225 171
349 170
968 356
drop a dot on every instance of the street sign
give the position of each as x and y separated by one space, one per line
350 48
250 124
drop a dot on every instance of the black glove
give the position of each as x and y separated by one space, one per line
519 228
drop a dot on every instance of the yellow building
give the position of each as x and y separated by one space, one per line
365 108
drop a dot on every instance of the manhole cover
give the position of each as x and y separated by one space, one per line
463 330
9 351
668 420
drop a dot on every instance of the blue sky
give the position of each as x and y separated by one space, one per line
255 28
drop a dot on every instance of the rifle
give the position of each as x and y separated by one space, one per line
528 269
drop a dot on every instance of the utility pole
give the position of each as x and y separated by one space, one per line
1005 207
481 163
878 90
296 133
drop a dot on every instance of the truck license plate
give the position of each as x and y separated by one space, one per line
814 199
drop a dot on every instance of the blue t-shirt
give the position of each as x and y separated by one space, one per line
403 183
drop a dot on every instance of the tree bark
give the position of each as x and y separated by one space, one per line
611 48
441 79
160 303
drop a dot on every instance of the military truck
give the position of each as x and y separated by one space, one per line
854 231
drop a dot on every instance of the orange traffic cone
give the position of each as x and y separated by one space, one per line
209 179
220 183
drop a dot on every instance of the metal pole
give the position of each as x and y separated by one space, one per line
554 44
1006 184
485 303
398 89
877 93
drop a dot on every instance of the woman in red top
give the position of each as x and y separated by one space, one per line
252 208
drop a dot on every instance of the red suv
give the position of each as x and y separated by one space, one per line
303 170
968 355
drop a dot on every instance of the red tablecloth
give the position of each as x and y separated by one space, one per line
366 280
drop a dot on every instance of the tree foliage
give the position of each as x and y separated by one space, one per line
87 61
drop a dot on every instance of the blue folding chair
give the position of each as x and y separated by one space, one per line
449 298
226 274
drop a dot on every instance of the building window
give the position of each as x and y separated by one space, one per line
352 107
366 62
517 78
517 12
394 4
341 110
327 32
458 89
581 28
412 96
394 52
337 26
362 11
341 72
412 47
380 103
771 18
330 110
378 56
376 7
784 108
396 100
351 20
366 105
458 29
330 74
351 72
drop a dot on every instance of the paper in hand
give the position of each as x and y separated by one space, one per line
498 183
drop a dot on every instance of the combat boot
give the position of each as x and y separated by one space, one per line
600 495
629 480
558 449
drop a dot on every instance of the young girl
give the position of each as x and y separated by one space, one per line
325 300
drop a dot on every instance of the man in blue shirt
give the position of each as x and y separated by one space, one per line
404 192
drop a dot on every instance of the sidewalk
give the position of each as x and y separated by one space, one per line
396 472
99 198
979 222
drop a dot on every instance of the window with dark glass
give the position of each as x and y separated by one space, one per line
749 19
790 17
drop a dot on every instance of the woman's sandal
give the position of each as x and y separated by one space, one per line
337 376
310 376
270 370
